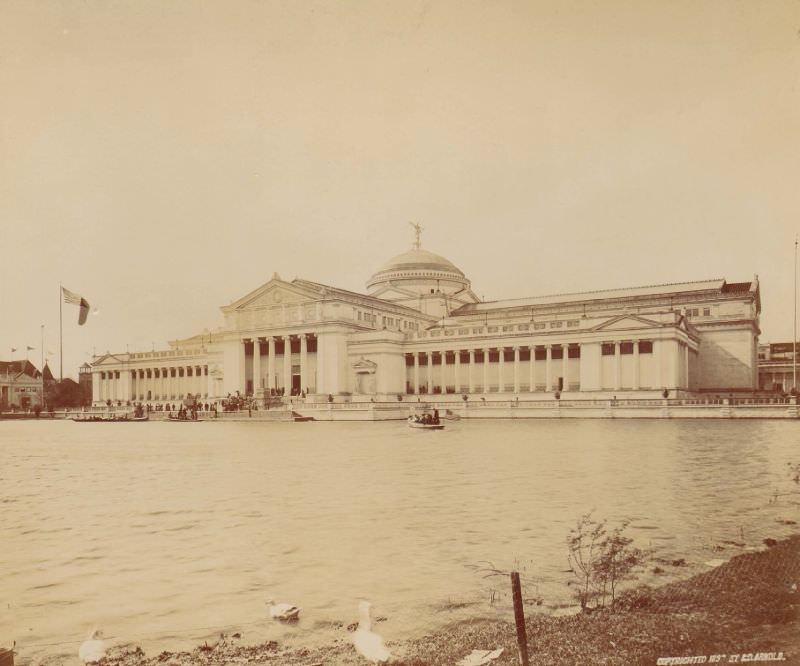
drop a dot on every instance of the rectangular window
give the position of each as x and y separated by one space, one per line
645 347
557 353
556 324
608 349
523 327
626 348
706 312
508 328
538 325
574 351
493 329
463 331
540 354
573 323
477 330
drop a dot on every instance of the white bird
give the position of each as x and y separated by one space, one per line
369 644
285 612
93 649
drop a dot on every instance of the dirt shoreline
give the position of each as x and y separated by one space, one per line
749 606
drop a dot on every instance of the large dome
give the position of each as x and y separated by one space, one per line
419 260
421 271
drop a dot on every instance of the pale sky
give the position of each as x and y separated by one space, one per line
163 158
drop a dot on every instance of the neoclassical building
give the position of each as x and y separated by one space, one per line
419 328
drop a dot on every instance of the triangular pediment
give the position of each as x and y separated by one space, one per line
365 365
626 323
276 292
108 359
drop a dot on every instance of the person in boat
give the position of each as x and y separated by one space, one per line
436 417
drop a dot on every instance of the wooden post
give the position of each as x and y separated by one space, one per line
519 617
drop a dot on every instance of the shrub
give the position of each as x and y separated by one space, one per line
600 559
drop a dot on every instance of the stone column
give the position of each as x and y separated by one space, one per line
532 370
548 369
686 366
457 370
242 368
430 372
617 367
636 366
516 369
471 371
416 372
287 364
501 366
565 365
256 365
485 369
270 363
304 362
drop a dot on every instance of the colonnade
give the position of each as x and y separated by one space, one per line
278 370
150 384
515 369
549 367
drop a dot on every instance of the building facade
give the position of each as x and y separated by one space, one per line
419 329
21 385
776 367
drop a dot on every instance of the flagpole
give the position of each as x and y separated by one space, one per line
60 332
794 336
42 356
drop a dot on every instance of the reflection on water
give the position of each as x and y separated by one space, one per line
162 533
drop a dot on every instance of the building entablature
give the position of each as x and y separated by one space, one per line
669 296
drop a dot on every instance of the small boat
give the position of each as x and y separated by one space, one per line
412 423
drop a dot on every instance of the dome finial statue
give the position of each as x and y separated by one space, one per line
417 231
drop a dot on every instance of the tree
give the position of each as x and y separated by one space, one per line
584 550
600 560
618 558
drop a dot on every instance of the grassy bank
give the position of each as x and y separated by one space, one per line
748 605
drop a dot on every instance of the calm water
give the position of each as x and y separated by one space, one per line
162 533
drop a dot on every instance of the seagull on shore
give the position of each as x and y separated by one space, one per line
369 644
283 612
93 649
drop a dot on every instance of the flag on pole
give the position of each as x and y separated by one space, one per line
74 299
